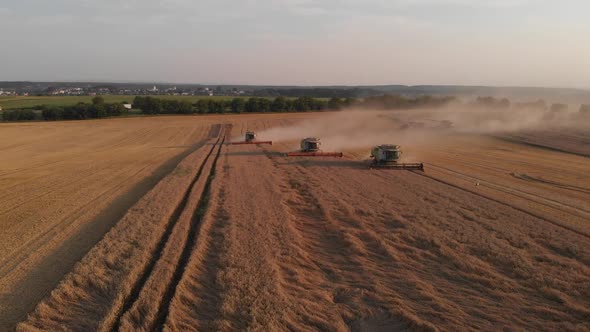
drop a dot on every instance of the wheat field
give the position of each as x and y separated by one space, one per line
158 224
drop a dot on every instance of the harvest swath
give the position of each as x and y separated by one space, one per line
493 234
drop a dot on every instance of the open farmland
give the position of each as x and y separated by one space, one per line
172 229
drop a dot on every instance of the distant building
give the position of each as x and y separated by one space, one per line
128 106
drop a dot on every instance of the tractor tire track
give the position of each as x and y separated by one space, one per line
563 207
197 188
193 236
550 221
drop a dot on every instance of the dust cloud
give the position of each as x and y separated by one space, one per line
356 129
346 130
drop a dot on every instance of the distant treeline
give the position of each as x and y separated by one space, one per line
392 102
152 105
540 105
96 110
343 93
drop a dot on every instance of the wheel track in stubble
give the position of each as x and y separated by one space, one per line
203 173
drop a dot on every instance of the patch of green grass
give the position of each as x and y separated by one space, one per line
24 102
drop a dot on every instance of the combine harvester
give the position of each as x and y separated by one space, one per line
251 139
387 156
310 147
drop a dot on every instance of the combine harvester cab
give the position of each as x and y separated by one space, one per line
387 156
250 138
310 147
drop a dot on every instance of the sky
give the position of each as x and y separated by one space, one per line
298 42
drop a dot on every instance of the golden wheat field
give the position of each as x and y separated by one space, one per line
159 224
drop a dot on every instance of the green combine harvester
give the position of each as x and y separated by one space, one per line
388 156
310 147
250 138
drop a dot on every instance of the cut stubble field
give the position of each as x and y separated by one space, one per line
156 224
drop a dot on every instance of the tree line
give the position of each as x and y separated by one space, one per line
393 102
153 105
98 109
538 105
19 115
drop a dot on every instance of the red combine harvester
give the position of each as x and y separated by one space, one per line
310 147
251 139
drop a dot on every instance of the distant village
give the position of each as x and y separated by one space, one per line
95 90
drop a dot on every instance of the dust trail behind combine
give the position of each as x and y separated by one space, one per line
355 129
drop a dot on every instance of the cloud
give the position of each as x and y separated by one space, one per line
5 12
50 20
469 3
304 41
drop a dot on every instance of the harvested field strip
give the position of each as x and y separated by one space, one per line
197 217
43 237
575 150
229 284
71 243
147 308
564 207
464 253
526 177
543 218
516 168
166 253
105 278
30 272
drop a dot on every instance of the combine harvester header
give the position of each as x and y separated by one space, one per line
310 147
251 139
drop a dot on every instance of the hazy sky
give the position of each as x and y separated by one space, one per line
305 42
